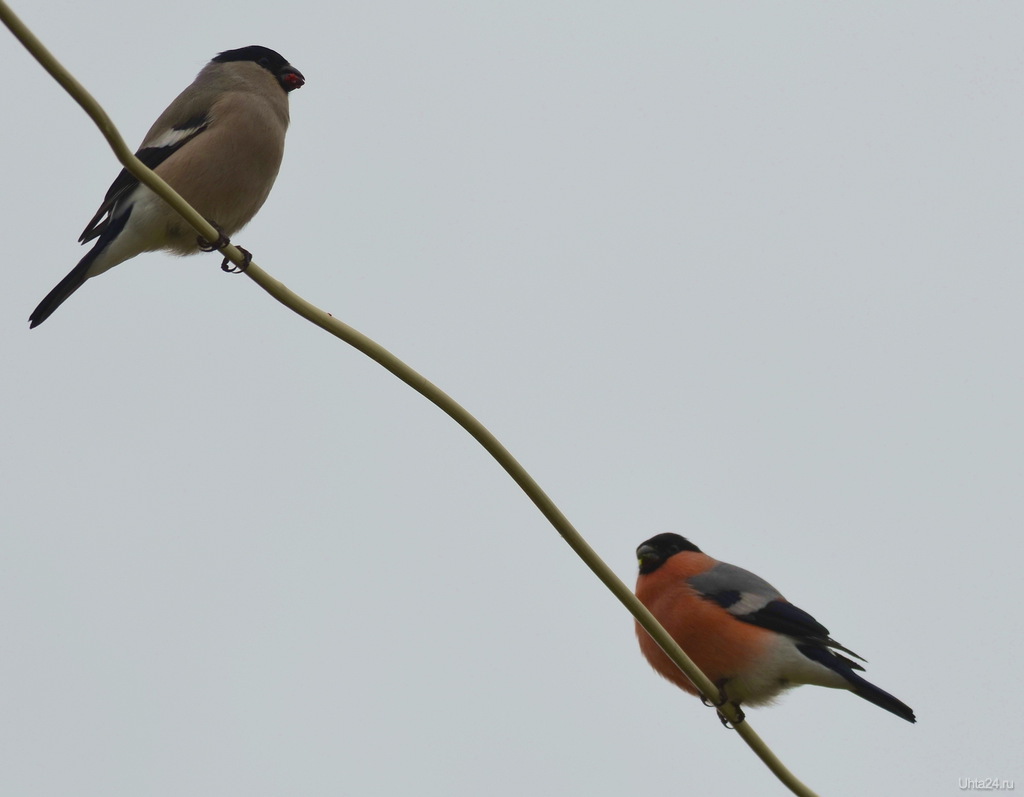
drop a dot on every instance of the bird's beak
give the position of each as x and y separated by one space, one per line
291 78
645 553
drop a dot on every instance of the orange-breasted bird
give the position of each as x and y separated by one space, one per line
739 630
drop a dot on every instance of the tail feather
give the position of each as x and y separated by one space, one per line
881 698
67 286
80 273
858 685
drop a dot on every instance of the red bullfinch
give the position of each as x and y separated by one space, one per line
739 630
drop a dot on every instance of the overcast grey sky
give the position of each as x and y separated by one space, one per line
750 272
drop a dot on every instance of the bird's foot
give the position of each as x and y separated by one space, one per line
723 696
206 246
728 723
222 240
232 268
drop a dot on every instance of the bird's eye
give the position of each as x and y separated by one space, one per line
264 62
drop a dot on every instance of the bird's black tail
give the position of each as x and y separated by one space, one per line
80 273
55 298
881 698
859 686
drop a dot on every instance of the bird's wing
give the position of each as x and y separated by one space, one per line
753 600
152 154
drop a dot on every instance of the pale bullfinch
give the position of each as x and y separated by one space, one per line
219 145
749 640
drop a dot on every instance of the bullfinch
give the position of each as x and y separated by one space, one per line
749 640
219 145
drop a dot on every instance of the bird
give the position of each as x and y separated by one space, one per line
739 630
219 144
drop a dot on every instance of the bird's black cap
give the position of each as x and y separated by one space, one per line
653 553
287 75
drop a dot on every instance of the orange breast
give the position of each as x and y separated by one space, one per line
722 646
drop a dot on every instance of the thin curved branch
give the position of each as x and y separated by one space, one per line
417 382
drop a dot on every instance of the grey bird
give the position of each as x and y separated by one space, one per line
219 145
